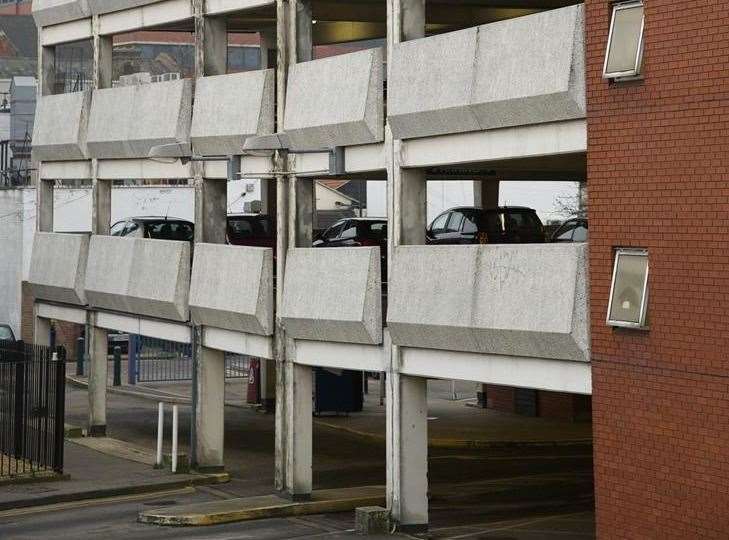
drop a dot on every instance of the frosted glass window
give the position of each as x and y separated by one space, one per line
628 294
624 54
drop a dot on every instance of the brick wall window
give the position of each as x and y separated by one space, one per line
629 290
624 54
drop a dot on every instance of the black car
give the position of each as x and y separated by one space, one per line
6 333
471 225
356 232
572 230
161 228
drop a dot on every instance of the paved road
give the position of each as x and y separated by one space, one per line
522 494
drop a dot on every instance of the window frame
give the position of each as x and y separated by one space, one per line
641 324
636 71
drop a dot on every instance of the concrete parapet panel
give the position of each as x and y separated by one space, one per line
336 101
127 121
139 276
232 288
48 12
527 300
58 267
230 108
527 70
333 294
98 7
61 121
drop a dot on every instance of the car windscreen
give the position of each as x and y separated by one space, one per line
6 334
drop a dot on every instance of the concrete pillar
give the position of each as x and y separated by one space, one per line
211 208
46 70
411 199
299 432
97 347
407 440
210 410
407 451
97 338
293 383
486 193
44 205
41 329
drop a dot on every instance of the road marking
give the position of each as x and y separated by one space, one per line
513 526
94 502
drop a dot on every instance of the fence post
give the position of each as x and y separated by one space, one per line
19 420
80 349
60 414
132 359
117 366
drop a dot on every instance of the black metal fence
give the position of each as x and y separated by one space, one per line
32 394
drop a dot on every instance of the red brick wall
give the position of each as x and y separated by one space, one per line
500 398
26 313
658 177
563 406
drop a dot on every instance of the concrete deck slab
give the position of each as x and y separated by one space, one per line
59 130
266 506
58 267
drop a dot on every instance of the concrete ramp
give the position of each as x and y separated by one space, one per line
333 294
58 267
48 12
527 70
525 300
265 506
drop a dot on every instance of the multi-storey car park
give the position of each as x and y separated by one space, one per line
627 97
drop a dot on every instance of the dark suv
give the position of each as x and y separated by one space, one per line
471 225
355 232
160 228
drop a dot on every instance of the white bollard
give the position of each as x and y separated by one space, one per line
160 432
454 394
174 438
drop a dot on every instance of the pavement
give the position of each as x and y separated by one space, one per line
91 474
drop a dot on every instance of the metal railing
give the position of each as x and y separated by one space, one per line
32 395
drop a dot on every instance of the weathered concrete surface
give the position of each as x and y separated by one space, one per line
333 295
58 267
61 121
127 121
230 108
336 101
98 7
264 506
517 300
232 288
48 12
139 276
527 70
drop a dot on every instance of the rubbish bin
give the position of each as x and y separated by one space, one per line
337 391
254 381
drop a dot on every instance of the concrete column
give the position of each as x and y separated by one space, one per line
44 205
411 205
46 70
299 433
103 48
407 451
210 410
211 208
97 347
100 204
407 440
302 203
41 329
486 193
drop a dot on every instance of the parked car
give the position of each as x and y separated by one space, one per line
257 230
471 225
572 230
6 333
356 232
161 228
